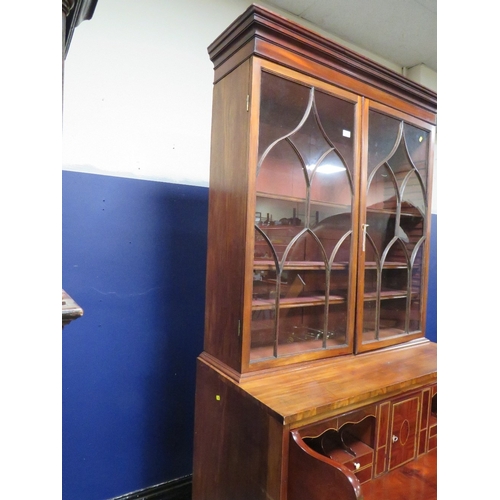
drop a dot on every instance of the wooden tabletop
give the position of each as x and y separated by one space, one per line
324 388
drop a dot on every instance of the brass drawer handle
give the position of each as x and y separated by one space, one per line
357 465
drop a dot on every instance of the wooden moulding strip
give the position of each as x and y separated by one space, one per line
259 31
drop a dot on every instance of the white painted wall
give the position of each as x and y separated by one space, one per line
138 88
423 75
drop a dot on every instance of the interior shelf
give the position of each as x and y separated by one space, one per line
264 304
385 295
267 352
285 303
269 265
384 333
391 211
387 265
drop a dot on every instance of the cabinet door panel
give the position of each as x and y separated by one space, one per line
395 227
404 431
304 187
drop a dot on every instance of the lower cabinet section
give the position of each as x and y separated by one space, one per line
267 440
354 448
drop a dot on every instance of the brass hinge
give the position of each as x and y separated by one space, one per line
248 101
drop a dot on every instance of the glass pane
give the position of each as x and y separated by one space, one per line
417 142
265 291
310 141
395 218
282 107
400 163
415 314
413 211
273 212
371 282
263 334
300 329
380 232
413 197
383 137
372 262
337 119
300 286
306 249
370 324
264 251
339 281
282 173
330 182
301 317
265 288
392 317
337 322
382 190
396 254
332 232
280 236
416 287
278 222
339 286
394 281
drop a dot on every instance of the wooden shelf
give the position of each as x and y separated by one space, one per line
269 265
285 303
267 352
392 294
384 333
389 211
371 265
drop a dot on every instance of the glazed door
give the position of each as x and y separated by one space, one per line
395 218
305 211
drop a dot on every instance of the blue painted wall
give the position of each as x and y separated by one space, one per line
134 258
431 324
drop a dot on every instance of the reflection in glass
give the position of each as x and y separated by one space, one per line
330 181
